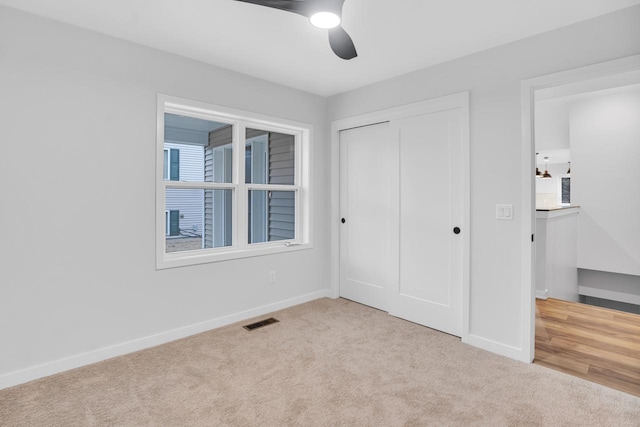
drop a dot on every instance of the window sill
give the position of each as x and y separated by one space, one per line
205 256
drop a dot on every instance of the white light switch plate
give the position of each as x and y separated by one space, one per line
504 212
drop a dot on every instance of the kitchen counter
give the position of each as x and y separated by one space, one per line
556 211
556 208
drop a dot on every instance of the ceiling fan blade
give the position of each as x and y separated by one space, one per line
339 40
300 7
341 43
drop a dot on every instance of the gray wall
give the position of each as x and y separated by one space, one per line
494 79
78 117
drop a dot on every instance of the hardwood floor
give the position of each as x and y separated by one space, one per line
593 343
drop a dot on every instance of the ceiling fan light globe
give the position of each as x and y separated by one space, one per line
325 20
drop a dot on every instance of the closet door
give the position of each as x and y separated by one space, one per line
429 287
368 202
404 236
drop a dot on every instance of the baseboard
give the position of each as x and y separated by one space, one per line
610 295
542 294
498 348
54 367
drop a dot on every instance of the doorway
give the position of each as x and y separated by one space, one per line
403 236
585 341
528 88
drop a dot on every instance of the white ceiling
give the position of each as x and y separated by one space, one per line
393 37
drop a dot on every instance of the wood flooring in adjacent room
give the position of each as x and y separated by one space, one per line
594 343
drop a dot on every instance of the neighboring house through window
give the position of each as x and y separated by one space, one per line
208 212
172 223
171 165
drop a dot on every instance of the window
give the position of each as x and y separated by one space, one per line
565 190
229 185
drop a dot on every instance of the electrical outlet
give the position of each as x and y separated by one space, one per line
272 277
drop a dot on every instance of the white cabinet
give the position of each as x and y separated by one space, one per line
557 253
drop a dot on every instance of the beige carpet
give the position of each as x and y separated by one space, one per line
328 362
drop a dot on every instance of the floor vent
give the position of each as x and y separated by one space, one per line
260 324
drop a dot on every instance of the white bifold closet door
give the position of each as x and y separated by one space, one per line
401 203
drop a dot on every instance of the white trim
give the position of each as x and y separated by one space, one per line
609 295
273 187
466 221
225 253
240 120
34 372
497 347
200 185
542 294
449 102
528 87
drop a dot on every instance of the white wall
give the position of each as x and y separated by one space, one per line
551 125
78 118
494 79
605 145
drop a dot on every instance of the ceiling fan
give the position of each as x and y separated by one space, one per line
325 14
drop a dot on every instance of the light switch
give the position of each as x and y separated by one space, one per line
504 212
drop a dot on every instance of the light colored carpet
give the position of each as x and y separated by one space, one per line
328 362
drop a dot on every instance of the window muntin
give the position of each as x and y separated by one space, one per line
239 217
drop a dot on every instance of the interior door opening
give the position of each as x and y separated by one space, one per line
583 138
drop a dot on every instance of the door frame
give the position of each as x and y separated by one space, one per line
528 88
449 102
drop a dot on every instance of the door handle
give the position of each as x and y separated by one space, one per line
456 230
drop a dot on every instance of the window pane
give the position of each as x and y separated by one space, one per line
269 157
566 190
197 219
271 216
197 150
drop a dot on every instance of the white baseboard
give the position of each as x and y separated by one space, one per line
610 295
56 366
498 348
542 294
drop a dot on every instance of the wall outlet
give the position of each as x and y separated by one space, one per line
272 277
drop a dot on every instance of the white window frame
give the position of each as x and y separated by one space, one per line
265 169
241 120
